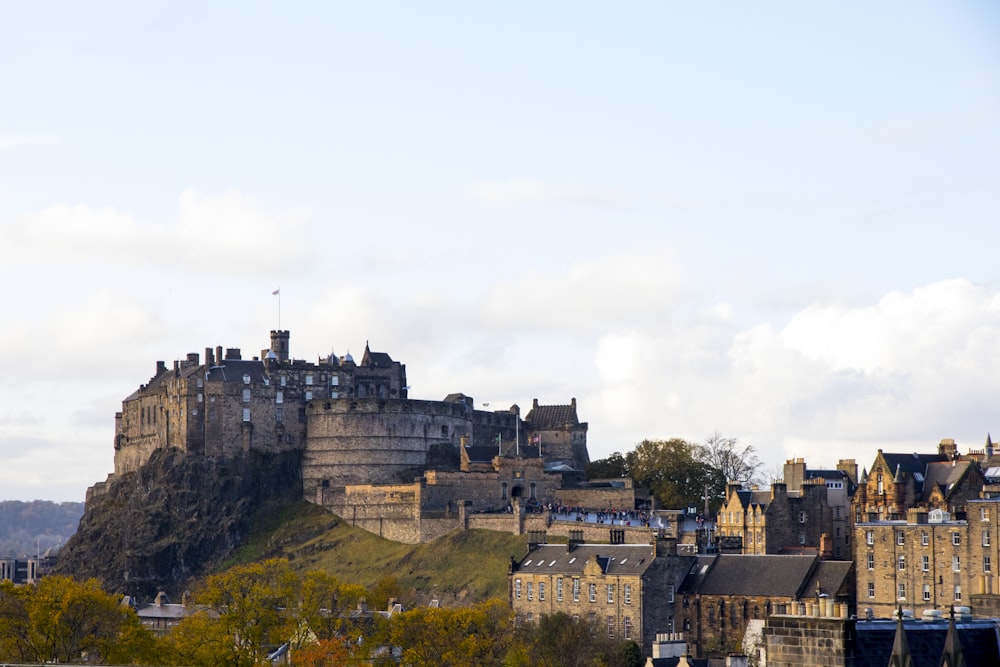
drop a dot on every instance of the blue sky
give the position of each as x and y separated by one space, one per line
777 221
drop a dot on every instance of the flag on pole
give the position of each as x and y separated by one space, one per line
276 292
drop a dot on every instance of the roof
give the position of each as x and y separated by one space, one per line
481 453
769 575
926 642
912 463
551 416
376 359
615 559
945 473
831 576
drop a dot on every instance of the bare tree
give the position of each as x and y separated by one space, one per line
734 462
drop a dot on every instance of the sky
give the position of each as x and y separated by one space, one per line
775 221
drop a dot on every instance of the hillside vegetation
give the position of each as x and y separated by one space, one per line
460 568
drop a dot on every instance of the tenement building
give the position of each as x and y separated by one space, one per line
923 534
625 591
807 512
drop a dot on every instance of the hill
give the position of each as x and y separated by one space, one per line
181 517
27 528
459 568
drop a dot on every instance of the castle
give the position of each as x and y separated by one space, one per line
407 469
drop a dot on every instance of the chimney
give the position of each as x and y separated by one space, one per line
233 353
209 359
161 367
218 355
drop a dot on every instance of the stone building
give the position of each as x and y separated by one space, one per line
923 536
624 590
812 516
833 640
406 469
725 594
224 404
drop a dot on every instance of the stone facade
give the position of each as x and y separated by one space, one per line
623 590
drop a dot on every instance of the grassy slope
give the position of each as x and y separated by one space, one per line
460 568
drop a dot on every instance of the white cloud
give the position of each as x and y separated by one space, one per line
8 141
229 233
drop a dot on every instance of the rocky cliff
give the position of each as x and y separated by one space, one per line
176 518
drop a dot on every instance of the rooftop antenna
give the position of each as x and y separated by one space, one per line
277 293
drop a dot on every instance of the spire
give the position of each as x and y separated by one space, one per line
864 477
898 479
989 445
952 655
900 656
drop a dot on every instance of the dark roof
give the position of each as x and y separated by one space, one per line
551 416
376 359
831 576
912 463
233 370
945 473
615 559
926 641
770 575
481 453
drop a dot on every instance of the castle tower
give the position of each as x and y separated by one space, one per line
279 344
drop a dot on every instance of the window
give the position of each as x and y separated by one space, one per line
611 627
278 415
956 563
958 592
670 594
541 591
869 537
880 487
902 591
871 589
611 593
986 537
246 379
559 589
517 589
984 513
334 380
279 396
627 627
283 380
593 592
900 538
530 596
627 593
246 414
925 562
802 517
246 395
901 562
309 396
923 539
927 592
956 539
987 564
576 590
309 379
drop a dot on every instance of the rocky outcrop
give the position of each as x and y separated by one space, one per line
176 518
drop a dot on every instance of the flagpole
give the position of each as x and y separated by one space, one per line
277 293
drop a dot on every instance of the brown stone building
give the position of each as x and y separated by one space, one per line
726 594
624 590
812 514
923 535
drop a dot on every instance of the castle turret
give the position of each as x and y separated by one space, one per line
279 344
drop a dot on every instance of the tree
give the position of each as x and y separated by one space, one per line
673 470
613 467
560 640
734 463
59 619
441 637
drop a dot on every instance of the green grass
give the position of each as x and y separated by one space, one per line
459 568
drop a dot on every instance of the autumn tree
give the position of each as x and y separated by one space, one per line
442 637
59 619
672 470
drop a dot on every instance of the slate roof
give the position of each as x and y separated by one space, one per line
769 575
615 559
926 642
912 463
551 416
945 474
831 575
748 497
376 359
481 453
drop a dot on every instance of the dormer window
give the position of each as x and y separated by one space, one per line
246 378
